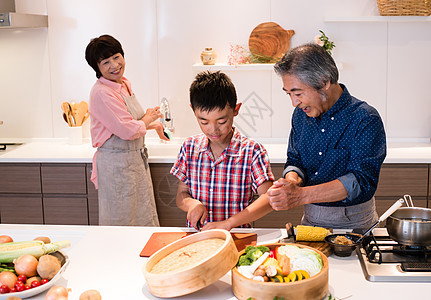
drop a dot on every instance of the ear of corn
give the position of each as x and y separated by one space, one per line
10 251
311 233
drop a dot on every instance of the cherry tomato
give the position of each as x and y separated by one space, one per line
4 289
18 283
22 278
35 283
27 287
43 281
20 288
12 290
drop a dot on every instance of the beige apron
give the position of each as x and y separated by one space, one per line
126 195
360 216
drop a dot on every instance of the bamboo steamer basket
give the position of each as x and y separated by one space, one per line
192 279
312 288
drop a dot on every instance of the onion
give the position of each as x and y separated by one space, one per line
90 295
8 278
5 239
26 265
57 292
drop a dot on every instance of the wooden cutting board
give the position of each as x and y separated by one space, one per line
160 239
269 41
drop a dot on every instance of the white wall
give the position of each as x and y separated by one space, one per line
384 63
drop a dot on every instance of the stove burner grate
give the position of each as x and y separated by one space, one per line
381 249
416 267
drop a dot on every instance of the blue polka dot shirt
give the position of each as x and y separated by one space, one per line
347 143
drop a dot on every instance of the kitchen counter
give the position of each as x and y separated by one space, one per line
107 259
60 151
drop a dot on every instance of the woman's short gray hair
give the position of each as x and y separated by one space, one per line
310 63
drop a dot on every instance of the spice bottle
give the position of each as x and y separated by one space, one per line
208 56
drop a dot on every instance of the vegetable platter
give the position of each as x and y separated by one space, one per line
64 259
293 285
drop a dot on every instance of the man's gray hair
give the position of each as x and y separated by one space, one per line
310 63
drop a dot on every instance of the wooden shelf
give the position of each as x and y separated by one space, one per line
245 67
226 67
391 19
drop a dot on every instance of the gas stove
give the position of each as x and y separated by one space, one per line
383 259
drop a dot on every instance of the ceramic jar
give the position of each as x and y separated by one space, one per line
208 56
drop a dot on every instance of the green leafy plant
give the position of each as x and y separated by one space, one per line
324 41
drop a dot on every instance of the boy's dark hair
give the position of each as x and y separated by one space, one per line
101 48
211 90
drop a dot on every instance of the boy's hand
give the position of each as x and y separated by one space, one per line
218 225
197 213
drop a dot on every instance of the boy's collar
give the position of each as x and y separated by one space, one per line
231 149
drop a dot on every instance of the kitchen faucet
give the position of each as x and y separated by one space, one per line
167 120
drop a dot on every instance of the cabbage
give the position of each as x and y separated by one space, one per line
307 260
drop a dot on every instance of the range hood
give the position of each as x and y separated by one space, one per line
11 19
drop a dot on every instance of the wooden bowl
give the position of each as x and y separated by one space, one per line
196 277
269 41
315 287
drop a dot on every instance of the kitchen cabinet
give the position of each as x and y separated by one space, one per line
278 219
62 193
47 193
21 209
20 194
165 191
429 186
64 190
93 201
397 180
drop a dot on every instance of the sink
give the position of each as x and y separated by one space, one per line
8 147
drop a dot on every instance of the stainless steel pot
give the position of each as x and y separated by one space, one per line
410 226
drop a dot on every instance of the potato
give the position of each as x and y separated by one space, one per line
48 266
90 295
31 279
44 239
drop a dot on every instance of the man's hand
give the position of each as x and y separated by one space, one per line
285 194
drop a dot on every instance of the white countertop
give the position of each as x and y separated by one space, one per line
60 151
107 259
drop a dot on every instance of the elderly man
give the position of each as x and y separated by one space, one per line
337 145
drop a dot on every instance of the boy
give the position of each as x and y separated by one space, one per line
220 168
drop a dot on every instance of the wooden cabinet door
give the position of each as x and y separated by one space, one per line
397 180
429 187
64 179
20 178
21 209
93 200
165 191
65 210
278 219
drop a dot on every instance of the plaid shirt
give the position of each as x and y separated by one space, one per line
225 185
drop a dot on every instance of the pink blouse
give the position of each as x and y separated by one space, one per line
109 116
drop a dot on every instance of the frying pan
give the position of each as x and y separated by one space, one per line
410 226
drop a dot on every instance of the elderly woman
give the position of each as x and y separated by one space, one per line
337 145
118 127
